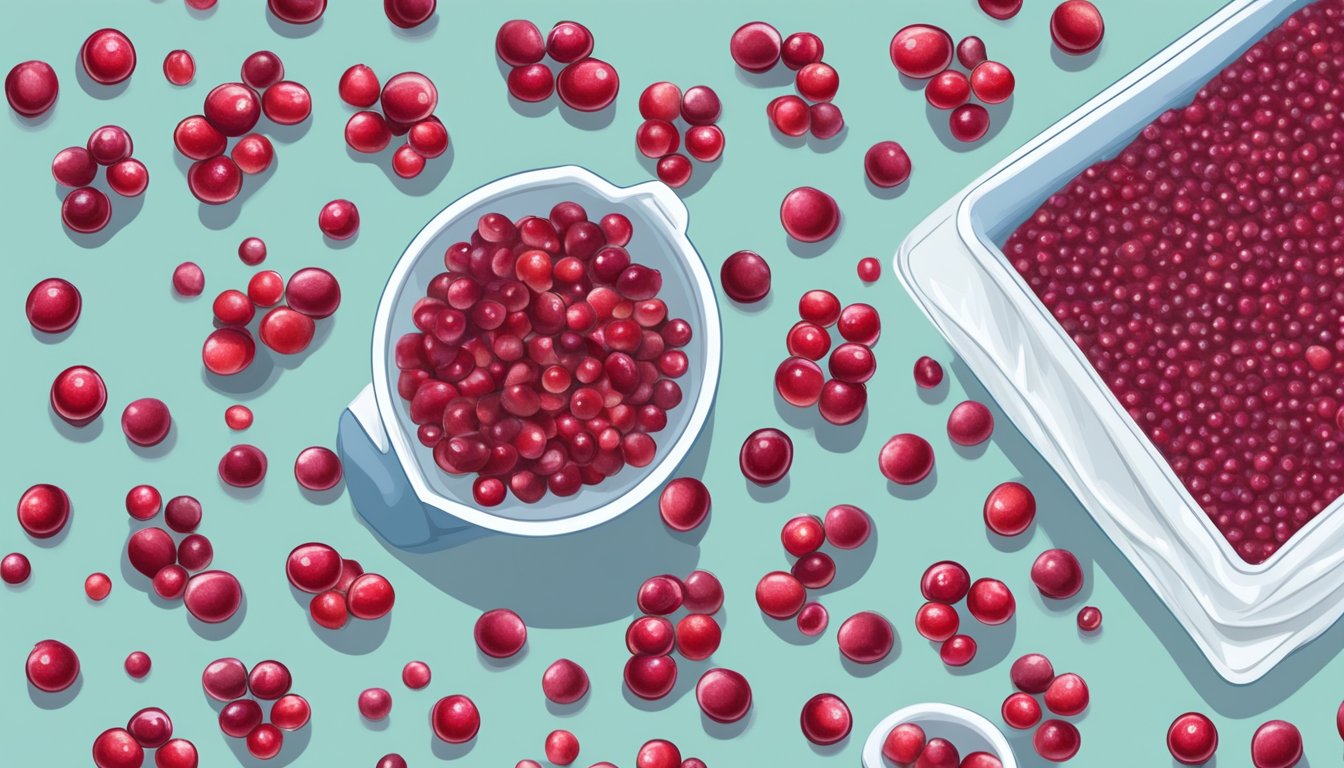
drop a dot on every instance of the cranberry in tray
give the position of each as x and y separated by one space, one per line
1201 273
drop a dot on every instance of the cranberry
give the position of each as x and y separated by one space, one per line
183 514
224 679
587 85
393 760
188 279
317 468
1021 711
143 502
674 170
196 138
780 595
801 49
151 727
1276 744
971 51
650 636
1066 695
298 11
698 636
519 42
409 98
562 747
367 132
177 753
948 89
239 718
852 363
1057 574
1192 739
407 163
228 351
74 167
252 251
790 115
660 101
146 422
1032 673
809 215
108 56
970 423
500 633
803 535
243 466
429 137
31 88
657 753
813 619
53 305
1056 740
808 340
78 395
745 277
700 105
1076 27
569 41
370 596
137 664
375 703
969 122
660 595
826 120
415 674
937 621
313 568
408 14
52 666
939 753
921 50
128 178
906 459
170 582
869 269
359 86
328 609
232 108
904 743
958 651
215 181
265 741
564 682
702 592
990 601
847 526
262 69
1009 509
290 712
860 323
684 504
314 292
826 719
766 456
195 552
799 381
117 748
339 219
15 568
86 210
213 596
1001 9
992 82
287 103
655 138
109 144
866 638
616 228
945 582
1089 618
755 46
723 695
650 677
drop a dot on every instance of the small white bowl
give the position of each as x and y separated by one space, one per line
968 731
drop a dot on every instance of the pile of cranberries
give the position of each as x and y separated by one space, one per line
150 729
908 746
840 393
585 83
926 52
407 103
659 138
943 585
1064 695
339 586
87 209
231 111
177 569
229 680
544 359
783 595
757 47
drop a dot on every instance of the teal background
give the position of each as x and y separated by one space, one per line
577 593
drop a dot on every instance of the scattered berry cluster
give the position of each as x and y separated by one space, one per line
585 83
87 209
659 138
757 47
229 680
339 586
407 101
176 569
799 380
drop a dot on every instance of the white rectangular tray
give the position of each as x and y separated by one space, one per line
1245 618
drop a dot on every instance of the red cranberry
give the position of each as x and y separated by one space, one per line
290 712
869 269
313 568
408 14
232 108
569 41
429 137
799 381
1021 711
860 323
329 610
359 86
886 164
1276 744
650 677
656 138
243 466
314 292
969 122
177 753
317 468
928 373
803 535
74 167
1192 739
375 703
53 305
108 56
86 210
44 510
407 163
150 550
128 178
213 596
674 170
1056 741
197 139
1089 618
52 666
215 181
146 421
992 82
78 395
866 638
660 101
1066 695
228 351
31 88
500 633
239 718
945 582
826 719
562 747
852 363
1001 9
339 219
587 85
117 748
238 417
252 251
224 679
684 504
745 277
1032 673
808 340
137 664
939 753
723 695
1057 574
183 514
780 595
188 279
970 423
766 456
921 50
650 636
948 89
819 307
564 682
698 636
195 552
262 69
904 744
847 526
937 621
700 105
809 215
906 459
1009 509
660 595
958 651
109 144
801 49
790 115
455 719
151 727
409 98
990 601
298 11
393 760
657 753
15 568
971 52
265 741
1076 27
370 596
519 43
265 288
826 120
415 675
143 502
813 619
755 46
702 592
287 103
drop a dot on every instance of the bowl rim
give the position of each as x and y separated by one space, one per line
872 748
665 203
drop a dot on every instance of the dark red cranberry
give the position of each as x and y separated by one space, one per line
1076 27
215 181
723 695
921 50
755 46
78 395
745 277
86 210
1089 618
564 682
500 633
780 595
1057 574
261 70
1192 739
1001 9
700 105
519 43
74 167
969 122
945 582
650 677
409 14
339 219
569 41
53 305
587 85
801 49
243 466
971 51
886 164
31 88
117 748
826 719
766 456
146 421
684 503
674 170
137 664
298 11
906 459
866 637
213 596
809 215
359 86
108 56
1009 509
1032 673
15 568
970 423
702 592
52 666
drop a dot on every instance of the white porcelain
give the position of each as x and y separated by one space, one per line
967 731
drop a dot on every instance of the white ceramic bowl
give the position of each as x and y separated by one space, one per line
966 730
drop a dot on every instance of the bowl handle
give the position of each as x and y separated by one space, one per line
665 200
